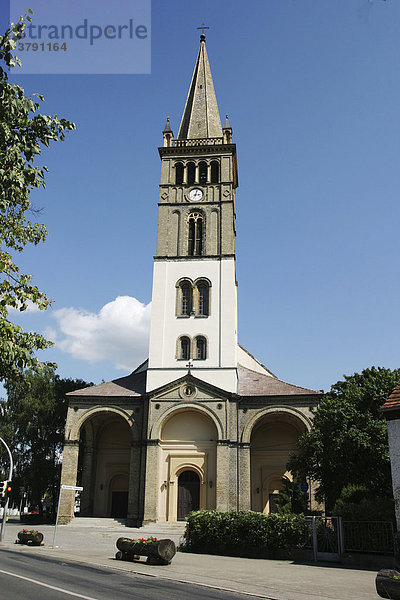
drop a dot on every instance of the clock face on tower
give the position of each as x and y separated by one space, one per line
195 195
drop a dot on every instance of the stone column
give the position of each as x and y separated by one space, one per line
244 477
68 477
87 483
222 483
185 173
134 486
209 173
151 483
197 177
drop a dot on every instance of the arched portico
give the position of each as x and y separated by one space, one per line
274 435
98 454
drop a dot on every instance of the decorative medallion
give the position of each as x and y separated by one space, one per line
188 391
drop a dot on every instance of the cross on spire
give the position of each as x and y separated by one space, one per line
203 35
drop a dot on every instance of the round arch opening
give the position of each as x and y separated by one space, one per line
189 426
188 441
104 465
188 493
273 438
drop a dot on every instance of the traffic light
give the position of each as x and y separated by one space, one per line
6 489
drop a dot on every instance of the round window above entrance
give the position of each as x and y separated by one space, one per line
188 390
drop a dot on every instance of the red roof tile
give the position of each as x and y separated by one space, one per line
393 401
257 384
132 385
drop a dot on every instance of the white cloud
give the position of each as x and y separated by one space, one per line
31 307
119 332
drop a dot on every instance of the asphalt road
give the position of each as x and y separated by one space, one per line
40 578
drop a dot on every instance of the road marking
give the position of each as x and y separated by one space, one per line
46 585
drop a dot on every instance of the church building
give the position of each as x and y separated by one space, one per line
201 424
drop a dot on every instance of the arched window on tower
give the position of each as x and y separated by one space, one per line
178 173
203 299
203 173
186 299
195 237
184 348
191 173
214 172
201 348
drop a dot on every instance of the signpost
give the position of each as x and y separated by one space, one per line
75 488
3 523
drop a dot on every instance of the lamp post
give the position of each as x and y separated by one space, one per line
3 524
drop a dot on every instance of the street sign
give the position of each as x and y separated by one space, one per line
76 488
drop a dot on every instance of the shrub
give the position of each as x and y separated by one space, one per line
358 503
291 499
244 533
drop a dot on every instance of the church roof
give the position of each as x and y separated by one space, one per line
201 118
393 402
132 385
252 383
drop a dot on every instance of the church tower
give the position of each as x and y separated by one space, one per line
202 424
194 300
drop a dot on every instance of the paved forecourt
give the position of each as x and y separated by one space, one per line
92 542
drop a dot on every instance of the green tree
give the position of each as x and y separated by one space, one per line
291 499
347 443
358 503
23 132
33 422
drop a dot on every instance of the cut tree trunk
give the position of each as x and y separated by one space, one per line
160 552
30 539
388 584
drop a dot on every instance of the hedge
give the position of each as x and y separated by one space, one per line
244 533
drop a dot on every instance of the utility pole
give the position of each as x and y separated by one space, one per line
3 524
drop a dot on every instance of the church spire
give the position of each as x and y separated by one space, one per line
201 116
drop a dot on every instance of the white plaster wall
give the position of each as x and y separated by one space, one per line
249 362
394 449
219 328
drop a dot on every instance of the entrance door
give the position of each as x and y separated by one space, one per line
188 493
119 504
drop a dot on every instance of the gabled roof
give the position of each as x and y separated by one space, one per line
132 385
393 402
200 117
252 383
189 378
254 380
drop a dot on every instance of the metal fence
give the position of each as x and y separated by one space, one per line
368 536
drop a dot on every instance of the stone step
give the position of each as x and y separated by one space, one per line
97 522
175 526
172 527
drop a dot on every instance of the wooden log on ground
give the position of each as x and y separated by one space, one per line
388 584
30 538
159 552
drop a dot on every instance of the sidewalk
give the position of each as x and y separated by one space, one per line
272 579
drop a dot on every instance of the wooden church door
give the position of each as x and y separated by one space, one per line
188 493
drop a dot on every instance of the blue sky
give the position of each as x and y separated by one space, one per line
312 91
